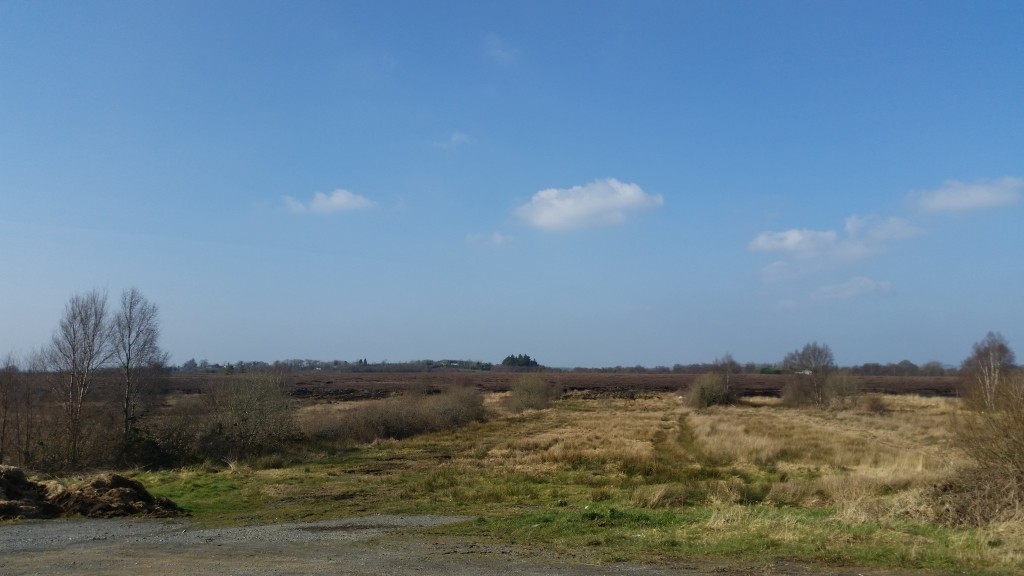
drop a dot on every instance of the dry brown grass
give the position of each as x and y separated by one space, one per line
598 434
867 465
847 486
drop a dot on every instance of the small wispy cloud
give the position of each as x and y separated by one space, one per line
803 242
338 201
861 237
498 50
600 203
803 249
956 196
454 140
857 287
494 239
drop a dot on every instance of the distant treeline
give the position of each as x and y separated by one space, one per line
903 368
339 366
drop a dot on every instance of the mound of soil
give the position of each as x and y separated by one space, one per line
103 496
110 495
23 498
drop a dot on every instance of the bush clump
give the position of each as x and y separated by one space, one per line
710 389
407 415
248 418
991 490
532 393
842 390
991 433
809 369
236 419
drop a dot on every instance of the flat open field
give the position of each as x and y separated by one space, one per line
616 476
635 480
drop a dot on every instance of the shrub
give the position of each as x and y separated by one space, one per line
801 390
405 416
835 389
172 438
977 497
874 404
841 389
247 418
532 393
710 389
810 368
993 489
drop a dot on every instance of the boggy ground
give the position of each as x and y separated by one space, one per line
604 485
374 545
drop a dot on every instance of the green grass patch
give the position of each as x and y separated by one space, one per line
205 494
753 534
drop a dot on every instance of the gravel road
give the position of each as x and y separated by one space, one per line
373 545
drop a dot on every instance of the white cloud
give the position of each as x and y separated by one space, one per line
803 249
602 202
874 232
955 196
857 287
861 237
337 201
495 239
807 242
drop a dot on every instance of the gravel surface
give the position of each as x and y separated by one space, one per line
373 545
39 536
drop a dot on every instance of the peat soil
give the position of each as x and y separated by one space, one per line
373 545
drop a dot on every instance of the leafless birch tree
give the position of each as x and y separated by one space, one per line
987 370
79 348
135 333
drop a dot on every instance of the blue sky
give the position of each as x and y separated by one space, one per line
590 183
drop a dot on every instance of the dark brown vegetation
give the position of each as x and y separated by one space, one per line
359 386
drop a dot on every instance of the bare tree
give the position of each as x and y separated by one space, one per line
79 348
22 413
811 367
726 366
135 333
8 384
992 434
987 368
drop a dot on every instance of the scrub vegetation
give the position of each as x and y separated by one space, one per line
644 479
802 460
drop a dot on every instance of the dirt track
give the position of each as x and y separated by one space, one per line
396 545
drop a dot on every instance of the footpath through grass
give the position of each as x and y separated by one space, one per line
642 480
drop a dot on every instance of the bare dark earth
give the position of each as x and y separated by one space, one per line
395 545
